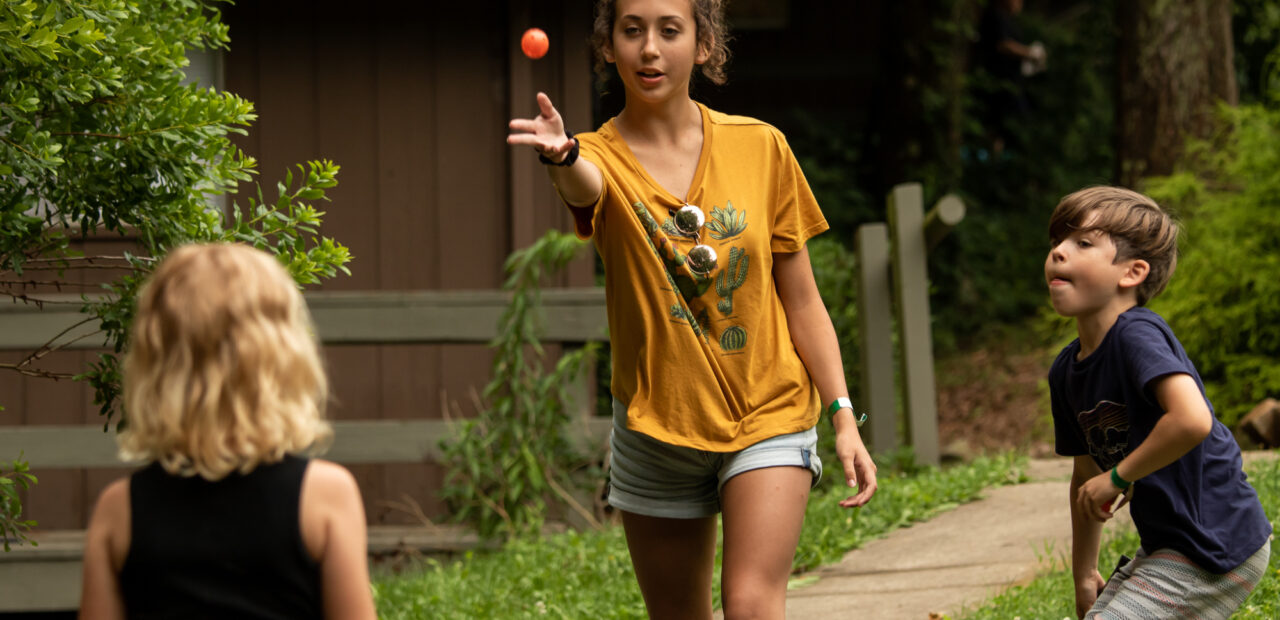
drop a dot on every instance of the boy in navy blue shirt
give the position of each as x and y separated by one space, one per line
1130 407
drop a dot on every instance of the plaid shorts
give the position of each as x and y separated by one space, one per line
1167 584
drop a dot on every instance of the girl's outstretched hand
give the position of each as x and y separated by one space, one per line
859 469
544 133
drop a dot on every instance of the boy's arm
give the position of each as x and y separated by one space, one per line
1186 422
579 184
1086 537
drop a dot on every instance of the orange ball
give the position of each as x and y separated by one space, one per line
534 43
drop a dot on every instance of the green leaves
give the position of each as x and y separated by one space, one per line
1220 301
17 478
289 227
513 460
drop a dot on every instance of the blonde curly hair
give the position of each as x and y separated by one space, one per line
223 371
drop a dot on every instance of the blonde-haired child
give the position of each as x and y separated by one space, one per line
225 390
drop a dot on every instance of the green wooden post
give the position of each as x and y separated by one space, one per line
911 292
875 327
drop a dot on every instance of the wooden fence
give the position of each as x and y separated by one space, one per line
893 297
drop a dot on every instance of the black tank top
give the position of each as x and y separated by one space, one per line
226 549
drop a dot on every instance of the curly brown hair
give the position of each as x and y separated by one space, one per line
708 17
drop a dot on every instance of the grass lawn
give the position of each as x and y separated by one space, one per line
589 575
1052 595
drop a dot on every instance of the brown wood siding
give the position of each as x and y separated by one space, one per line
413 104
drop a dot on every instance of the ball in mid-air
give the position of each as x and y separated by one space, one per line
534 43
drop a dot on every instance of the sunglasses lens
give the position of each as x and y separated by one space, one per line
702 259
689 219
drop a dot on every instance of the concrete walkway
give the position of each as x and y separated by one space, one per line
954 560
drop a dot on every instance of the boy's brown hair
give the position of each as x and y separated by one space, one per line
708 17
1137 225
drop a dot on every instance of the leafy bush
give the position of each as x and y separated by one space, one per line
1221 301
513 460
17 478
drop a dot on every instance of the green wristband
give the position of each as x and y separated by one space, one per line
843 402
1120 483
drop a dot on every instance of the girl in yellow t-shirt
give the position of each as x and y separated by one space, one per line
724 357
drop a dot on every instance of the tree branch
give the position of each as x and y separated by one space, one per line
24 298
19 147
129 136
58 283
57 259
573 503
89 266
48 347
36 372
89 259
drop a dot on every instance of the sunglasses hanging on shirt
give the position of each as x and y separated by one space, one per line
689 221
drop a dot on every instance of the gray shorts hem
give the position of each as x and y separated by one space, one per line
783 456
648 507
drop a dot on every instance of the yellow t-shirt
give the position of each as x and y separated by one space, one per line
704 361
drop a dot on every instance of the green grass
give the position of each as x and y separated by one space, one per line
589 574
1052 595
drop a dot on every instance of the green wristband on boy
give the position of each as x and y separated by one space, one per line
1120 483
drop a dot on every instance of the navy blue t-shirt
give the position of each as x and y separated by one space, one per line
1104 406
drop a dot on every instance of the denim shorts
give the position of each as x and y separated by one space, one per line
656 479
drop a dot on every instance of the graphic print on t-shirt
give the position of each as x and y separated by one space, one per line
1106 430
724 224
731 278
687 284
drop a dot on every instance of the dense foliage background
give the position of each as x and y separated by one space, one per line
1222 300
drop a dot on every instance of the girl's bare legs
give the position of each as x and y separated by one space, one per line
673 559
763 514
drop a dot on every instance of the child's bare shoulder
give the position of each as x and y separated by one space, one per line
328 478
113 502
109 532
